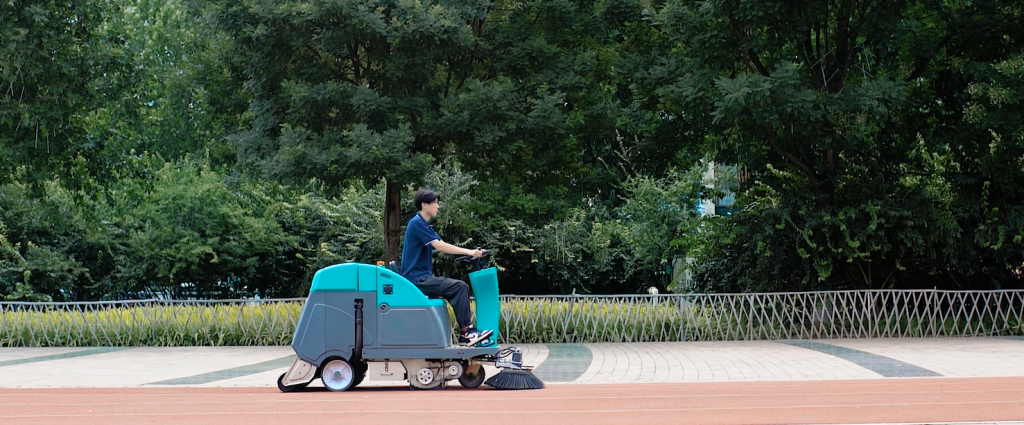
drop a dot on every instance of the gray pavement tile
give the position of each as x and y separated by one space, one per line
230 373
885 366
84 352
565 363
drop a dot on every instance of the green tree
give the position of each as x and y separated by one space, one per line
151 226
967 116
192 229
46 236
548 119
178 99
525 95
842 112
54 59
14 275
342 91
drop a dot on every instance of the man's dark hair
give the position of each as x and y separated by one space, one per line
425 196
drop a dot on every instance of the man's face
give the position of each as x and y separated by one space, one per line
431 208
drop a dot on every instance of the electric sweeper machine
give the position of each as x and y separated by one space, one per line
363 321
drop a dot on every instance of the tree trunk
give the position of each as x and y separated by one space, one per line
392 223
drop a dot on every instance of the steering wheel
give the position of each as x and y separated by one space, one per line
474 261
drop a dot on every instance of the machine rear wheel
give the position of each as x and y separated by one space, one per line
360 373
338 374
289 388
473 376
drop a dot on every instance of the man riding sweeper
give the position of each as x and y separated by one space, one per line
417 265
363 321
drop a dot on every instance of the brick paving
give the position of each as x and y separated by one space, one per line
599 363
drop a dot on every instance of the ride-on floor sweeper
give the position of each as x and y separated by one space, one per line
368 322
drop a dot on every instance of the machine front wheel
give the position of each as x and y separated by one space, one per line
473 376
338 374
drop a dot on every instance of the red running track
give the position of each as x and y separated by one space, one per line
874 401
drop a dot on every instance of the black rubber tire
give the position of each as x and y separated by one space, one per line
472 381
289 388
360 373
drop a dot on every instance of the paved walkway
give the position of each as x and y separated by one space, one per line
736 361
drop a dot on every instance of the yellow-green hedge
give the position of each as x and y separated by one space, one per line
153 325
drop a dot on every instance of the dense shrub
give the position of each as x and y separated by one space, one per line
172 228
184 229
622 245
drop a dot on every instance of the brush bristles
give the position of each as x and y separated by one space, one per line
512 379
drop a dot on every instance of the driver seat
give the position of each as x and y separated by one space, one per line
398 270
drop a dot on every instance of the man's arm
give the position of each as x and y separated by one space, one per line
448 248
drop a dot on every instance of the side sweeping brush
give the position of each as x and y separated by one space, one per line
515 379
513 375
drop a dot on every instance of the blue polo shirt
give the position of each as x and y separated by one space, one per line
416 255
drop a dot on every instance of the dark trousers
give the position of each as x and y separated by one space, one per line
455 291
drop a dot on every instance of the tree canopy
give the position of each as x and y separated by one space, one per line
214 148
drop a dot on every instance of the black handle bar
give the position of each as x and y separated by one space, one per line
469 258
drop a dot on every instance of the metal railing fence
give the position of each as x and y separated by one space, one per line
763 316
544 319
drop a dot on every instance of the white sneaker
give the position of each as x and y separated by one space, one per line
474 337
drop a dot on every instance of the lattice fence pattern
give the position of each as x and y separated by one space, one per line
545 319
727 317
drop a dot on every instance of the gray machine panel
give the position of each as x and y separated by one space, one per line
327 325
308 341
409 327
370 322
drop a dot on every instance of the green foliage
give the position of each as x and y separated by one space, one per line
177 99
341 91
620 246
863 170
53 54
15 276
218 148
335 230
175 227
191 227
548 120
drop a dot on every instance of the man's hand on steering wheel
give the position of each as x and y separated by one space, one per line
474 254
